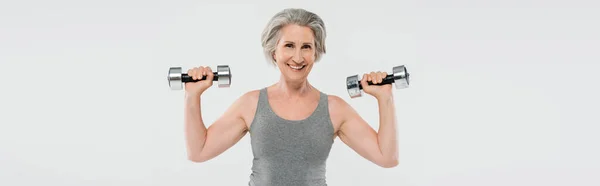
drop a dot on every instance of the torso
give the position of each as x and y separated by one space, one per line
296 110
290 139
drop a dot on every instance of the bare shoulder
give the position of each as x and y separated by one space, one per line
250 96
335 102
247 104
338 110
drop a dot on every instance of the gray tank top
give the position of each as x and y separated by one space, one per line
290 152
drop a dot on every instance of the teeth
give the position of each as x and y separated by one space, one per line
297 67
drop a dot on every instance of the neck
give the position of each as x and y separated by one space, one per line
294 89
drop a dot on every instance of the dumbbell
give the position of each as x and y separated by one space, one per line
399 77
176 78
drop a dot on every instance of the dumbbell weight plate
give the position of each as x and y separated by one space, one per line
224 76
401 77
174 78
353 86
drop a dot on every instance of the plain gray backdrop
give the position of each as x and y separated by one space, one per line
502 92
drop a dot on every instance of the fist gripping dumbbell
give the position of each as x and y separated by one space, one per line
399 77
176 78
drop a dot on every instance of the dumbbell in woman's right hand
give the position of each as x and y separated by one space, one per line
177 78
198 73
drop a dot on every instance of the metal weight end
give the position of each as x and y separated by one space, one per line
224 76
352 85
174 78
401 77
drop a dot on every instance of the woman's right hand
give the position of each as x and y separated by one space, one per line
197 88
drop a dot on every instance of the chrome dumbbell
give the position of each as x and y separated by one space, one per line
176 78
399 77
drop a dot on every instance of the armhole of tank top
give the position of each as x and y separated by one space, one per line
329 120
258 102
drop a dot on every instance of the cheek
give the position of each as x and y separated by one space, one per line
282 54
309 55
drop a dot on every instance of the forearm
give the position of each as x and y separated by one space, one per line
195 130
387 134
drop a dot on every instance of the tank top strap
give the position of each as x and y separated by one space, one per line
322 109
262 98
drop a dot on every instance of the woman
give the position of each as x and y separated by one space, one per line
291 123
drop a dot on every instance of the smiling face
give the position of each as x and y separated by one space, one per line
295 52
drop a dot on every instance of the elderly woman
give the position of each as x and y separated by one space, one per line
292 124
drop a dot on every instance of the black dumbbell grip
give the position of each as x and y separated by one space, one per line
186 78
389 79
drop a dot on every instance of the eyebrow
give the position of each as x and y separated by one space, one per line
302 43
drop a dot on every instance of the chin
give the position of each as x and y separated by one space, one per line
294 78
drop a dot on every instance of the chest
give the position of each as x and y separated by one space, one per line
297 110
308 139
303 110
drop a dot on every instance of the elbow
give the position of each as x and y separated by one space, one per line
390 163
196 158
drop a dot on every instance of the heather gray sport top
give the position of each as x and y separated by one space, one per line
290 152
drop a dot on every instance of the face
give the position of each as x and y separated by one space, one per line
295 52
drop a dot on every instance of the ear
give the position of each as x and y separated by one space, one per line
274 56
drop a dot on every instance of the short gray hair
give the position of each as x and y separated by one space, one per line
271 33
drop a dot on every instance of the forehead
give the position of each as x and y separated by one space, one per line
296 33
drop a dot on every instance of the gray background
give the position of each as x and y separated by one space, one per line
502 93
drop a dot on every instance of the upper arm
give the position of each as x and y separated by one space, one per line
227 130
356 132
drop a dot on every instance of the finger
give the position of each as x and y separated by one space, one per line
202 73
208 73
364 80
193 73
379 77
372 77
190 72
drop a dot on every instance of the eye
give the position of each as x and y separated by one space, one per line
289 45
306 47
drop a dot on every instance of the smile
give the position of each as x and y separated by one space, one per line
296 68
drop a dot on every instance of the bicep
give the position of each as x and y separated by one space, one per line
359 135
225 132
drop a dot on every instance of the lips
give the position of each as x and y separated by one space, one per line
296 67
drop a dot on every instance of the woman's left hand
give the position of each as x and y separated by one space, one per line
378 91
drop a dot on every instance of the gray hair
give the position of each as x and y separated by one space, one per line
271 33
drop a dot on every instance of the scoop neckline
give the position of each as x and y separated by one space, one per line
314 112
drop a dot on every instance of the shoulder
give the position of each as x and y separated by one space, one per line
246 105
338 107
251 95
339 111
245 100
249 98
336 102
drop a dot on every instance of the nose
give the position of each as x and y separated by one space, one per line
297 58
